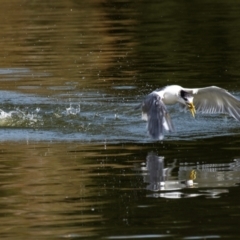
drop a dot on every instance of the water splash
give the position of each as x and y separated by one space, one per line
72 110
61 119
96 117
20 118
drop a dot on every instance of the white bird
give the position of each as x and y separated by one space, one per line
197 100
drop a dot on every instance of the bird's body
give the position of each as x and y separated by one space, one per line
197 100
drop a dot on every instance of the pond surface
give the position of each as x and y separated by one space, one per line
75 158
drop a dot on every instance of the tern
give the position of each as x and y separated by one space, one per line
210 100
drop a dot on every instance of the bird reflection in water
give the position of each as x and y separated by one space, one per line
157 173
204 179
161 178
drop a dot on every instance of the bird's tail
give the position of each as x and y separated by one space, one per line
158 118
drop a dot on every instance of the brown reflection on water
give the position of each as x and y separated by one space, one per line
74 45
39 182
79 190
57 185
72 190
65 41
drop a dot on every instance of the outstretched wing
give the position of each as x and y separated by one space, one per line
158 119
216 100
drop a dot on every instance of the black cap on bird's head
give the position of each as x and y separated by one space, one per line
188 99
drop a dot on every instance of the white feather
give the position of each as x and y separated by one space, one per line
206 100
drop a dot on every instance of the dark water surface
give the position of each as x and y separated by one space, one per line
75 159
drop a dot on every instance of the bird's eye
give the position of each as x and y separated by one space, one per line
183 95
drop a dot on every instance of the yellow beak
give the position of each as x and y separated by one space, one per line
192 109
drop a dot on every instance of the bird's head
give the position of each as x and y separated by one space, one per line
188 100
